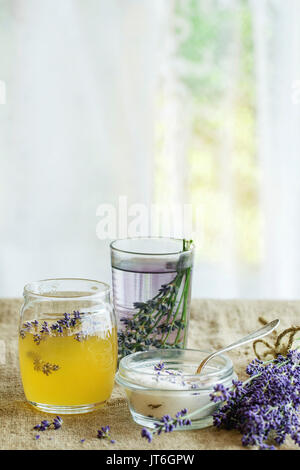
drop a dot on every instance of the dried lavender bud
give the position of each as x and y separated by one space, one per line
104 433
37 338
160 366
57 422
46 425
45 328
45 367
43 426
147 434
67 323
80 336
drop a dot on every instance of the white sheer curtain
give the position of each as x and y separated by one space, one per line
275 38
277 41
76 131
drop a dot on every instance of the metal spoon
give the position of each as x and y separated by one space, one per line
265 330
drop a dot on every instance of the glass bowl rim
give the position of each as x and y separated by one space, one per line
112 247
224 373
104 288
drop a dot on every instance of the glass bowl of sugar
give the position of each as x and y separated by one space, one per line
163 382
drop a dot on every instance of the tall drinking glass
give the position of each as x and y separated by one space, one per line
151 280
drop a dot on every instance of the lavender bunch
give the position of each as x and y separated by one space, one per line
167 424
265 407
156 319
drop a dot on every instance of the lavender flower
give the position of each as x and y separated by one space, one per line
45 367
104 433
37 338
160 366
46 425
57 422
77 315
66 324
43 426
167 424
266 406
80 336
147 434
45 328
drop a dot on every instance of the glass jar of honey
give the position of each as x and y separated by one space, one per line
67 345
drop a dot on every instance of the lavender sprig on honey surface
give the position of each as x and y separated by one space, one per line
64 326
159 317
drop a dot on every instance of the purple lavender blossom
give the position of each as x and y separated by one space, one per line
266 406
57 422
147 434
167 424
77 315
37 338
104 433
67 322
45 424
160 366
45 328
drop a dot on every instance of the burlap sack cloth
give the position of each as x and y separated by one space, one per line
213 324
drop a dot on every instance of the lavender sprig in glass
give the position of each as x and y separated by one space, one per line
160 322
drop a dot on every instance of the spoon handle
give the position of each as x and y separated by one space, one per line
265 330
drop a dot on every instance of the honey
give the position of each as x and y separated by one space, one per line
71 362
